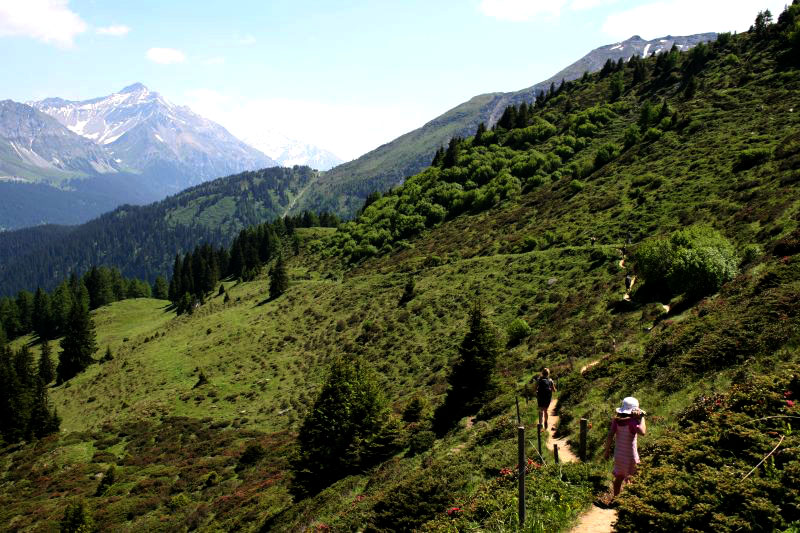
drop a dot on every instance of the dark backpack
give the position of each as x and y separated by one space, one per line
544 388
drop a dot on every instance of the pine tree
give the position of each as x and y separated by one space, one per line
450 158
348 428
479 133
279 279
160 289
78 345
43 417
77 519
472 380
42 314
46 371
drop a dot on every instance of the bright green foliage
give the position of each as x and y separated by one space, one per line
78 344
347 429
278 278
518 330
696 261
77 519
160 289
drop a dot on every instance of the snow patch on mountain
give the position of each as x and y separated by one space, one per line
289 152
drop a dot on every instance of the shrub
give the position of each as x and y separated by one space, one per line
652 134
77 519
751 157
632 136
696 261
605 154
576 186
518 330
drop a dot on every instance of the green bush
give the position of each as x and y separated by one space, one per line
605 154
750 158
517 330
695 261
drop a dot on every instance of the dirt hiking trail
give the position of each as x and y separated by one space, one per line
595 520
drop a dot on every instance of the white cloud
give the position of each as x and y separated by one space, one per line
165 56
580 5
520 10
49 21
348 130
115 30
685 17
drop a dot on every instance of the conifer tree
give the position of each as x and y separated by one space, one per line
42 314
43 419
279 279
46 371
348 428
472 380
160 289
78 345
450 158
77 519
479 133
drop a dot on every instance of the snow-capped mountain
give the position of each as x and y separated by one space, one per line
169 145
289 152
35 147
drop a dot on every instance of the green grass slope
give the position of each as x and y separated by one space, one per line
538 236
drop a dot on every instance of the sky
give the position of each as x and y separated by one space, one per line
346 76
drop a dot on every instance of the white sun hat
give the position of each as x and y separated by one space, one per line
628 405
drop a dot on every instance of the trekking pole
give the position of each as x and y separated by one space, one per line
555 453
522 465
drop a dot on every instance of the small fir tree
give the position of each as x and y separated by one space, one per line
279 279
46 371
78 345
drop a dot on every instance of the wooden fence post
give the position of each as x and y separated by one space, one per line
555 452
582 445
522 466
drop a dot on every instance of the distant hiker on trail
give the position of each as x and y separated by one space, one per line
628 283
544 394
626 426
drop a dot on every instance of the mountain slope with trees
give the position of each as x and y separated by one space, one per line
213 420
343 189
142 241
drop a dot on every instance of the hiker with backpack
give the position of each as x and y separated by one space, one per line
626 426
544 394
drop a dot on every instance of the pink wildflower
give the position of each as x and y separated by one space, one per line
790 403
453 510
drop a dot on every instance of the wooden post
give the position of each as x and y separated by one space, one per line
522 464
555 453
539 436
582 445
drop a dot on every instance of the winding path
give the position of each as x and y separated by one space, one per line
596 519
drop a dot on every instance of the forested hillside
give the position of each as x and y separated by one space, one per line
366 378
142 240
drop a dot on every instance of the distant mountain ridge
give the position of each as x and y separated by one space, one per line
289 152
344 188
169 145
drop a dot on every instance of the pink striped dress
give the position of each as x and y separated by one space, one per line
626 456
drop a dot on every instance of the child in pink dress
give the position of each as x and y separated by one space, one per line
626 426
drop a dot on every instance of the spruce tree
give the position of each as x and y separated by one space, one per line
279 279
78 344
472 380
160 289
42 314
46 371
43 418
479 133
348 428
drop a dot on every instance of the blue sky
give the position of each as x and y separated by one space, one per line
345 75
